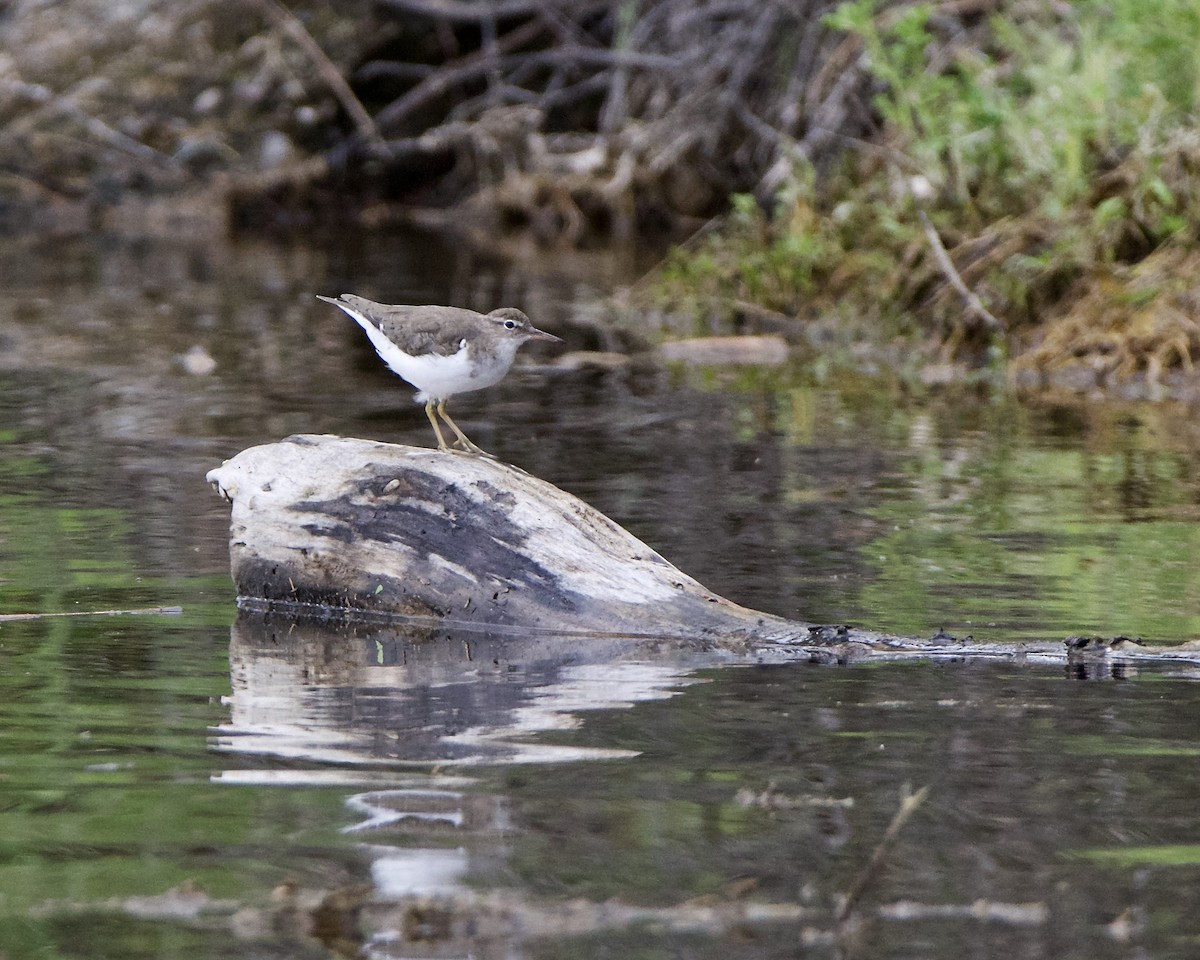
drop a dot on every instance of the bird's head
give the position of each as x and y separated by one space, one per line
513 323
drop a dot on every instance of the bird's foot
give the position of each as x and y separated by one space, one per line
470 449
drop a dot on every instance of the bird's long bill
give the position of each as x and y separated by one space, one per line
536 334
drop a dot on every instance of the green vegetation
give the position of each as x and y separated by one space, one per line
1053 153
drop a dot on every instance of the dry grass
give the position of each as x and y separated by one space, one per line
1138 319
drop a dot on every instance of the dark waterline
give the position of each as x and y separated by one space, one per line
148 755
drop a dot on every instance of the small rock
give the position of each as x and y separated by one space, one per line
207 101
1076 377
203 153
275 150
197 361
921 188
940 374
1027 378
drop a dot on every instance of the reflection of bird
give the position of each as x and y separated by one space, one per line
443 350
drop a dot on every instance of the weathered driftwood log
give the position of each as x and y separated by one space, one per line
357 530
375 529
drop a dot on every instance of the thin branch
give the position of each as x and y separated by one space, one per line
909 804
477 65
890 154
136 612
575 92
597 57
453 73
328 70
615 109
974 304
393 70
68 104
464 11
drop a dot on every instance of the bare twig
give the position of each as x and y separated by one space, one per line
908 806
68 104
54 615
615 109
891 154
463 11
393 70
595 57
477 65
974 304
454 73
328 70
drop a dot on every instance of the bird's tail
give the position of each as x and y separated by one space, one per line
383 346
378 340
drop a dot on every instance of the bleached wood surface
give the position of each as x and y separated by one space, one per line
370 528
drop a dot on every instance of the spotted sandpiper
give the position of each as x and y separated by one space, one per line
443 350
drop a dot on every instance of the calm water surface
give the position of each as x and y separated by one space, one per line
213 785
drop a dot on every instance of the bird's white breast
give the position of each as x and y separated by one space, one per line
436 376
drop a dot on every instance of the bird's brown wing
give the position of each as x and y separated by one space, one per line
419 330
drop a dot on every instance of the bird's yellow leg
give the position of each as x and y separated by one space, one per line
442 445
462 437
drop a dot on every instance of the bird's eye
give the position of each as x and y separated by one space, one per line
510 324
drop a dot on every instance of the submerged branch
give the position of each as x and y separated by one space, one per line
909 805
134 612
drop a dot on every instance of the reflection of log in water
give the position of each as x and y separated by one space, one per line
388 710
371 694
